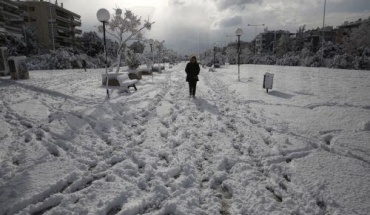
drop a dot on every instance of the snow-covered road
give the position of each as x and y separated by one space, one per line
301 149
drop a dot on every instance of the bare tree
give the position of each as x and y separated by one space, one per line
125 27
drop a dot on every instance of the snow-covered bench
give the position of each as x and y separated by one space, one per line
125 83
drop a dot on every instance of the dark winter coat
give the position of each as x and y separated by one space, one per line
192 71
83 64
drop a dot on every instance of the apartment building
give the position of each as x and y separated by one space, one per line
11 21
266 41
55 26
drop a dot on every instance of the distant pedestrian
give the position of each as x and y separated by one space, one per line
192 71
84 64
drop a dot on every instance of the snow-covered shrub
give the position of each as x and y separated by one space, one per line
63 58
306 53
311 61
342 61
132 59
264 59
362 62
365 64
289 59
40 62
330 50
271 59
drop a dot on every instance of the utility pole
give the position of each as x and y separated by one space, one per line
323 30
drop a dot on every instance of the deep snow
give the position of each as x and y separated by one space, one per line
303 148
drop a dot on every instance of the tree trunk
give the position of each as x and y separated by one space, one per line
118 62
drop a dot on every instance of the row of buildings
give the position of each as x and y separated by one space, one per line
54 25
266 42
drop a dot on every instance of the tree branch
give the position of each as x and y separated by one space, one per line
128 38
112 34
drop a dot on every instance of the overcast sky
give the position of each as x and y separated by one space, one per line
190 26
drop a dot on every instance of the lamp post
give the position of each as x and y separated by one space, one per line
104 16
214 54
238 33
160 55
151 41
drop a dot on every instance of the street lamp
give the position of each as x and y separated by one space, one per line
214 54
104 16
238 33
162 54
151 42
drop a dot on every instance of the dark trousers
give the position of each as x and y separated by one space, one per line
192 87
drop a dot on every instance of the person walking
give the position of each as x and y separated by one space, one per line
192 70
84 64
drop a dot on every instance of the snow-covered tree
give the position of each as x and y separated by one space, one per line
91 43
124 27
132 59
359 39
232 54
172 56
298 43
22 46
284 45
137 47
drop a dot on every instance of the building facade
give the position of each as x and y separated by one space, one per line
11 21
267 41
55 26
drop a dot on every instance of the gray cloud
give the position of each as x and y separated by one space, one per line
234 4
176 3
230 22
346 6
190 26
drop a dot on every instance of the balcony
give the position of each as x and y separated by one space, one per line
10 14
77 18
61 14
9 5
14 29
78 31
59 18
76 23
64 38
16 20
63 41
63 28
